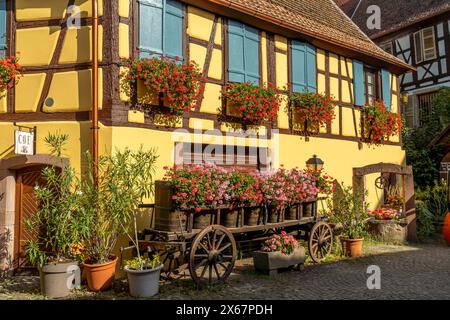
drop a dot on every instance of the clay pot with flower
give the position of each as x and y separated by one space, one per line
379 124
279 252
253 104
171 84
310 112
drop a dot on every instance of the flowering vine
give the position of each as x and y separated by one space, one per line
379 123
180 83
254 103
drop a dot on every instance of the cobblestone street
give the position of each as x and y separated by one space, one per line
407 272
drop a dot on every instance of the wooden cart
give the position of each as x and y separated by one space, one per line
211 251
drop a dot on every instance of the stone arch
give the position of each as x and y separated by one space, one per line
8 168
408 186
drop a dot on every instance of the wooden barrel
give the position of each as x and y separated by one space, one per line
275 214
166 217
203 219
229 218
291 212
252 216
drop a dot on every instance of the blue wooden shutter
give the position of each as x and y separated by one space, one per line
358 83
304 72
311 71
173 29
236 63
151 26
298 66
386 87
3 45
251 55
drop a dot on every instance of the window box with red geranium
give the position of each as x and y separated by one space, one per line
310 112
254 104
379 124
9 73
171 84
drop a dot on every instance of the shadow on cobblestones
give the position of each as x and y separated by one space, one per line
416 271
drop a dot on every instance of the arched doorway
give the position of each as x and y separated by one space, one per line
18 177
406 175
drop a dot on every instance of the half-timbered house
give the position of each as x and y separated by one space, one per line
309 44
418 32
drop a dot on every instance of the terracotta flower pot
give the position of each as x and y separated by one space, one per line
100 276
352 247
446 229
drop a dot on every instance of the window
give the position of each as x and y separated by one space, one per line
303 67
3 45
370 85
222 155
425 106
387 46
425 45
243 53
161 28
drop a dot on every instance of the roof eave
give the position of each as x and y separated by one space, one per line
397 67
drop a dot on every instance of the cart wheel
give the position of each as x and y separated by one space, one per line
174 261
320 241
174 265
212 255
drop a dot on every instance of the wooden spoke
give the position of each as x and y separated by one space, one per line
220 248
320 241
224 247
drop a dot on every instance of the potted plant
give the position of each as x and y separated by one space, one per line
177 85
274 188
278 252
310 111
379 124
143 276
57 225
387 224
142 272
9 72
254 104
350 212
108 206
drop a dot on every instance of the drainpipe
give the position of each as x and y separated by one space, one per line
94 93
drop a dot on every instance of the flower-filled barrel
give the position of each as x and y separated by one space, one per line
195 196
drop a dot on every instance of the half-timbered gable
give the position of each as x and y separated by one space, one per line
418 34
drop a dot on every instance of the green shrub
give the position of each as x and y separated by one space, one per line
435 198
425 226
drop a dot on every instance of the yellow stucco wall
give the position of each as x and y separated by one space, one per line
27 10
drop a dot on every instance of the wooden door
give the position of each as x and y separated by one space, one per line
26 206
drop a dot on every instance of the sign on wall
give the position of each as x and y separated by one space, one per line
24 142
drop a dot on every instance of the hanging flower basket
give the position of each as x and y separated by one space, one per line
310 112
9 72
379 124
175 85
254 104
